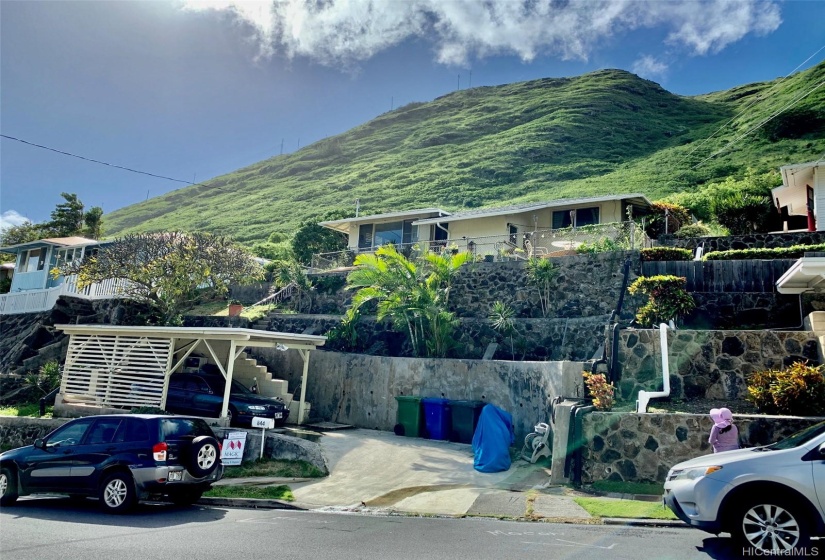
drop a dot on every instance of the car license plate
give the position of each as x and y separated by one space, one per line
278 415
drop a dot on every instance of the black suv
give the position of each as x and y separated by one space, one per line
119 458
201 394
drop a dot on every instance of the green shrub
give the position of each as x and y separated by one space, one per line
793 252
666 217
693 230
668 299
666 254
798 390
603 245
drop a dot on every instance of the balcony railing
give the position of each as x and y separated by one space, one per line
33 301
519 246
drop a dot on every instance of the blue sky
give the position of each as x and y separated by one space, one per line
193 90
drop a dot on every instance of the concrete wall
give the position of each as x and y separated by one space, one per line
707 364
361 390
643 447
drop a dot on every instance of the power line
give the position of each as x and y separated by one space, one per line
758 98
761 124
94 160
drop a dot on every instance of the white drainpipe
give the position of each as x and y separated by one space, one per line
645 396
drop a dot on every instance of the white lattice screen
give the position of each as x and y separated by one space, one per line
120 371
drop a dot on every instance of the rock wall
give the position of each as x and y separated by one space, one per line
707 364
643 447
754 241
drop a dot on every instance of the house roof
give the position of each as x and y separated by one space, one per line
806 275
793 192
531 206
54 241
344 224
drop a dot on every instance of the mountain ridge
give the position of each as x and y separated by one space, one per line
607 131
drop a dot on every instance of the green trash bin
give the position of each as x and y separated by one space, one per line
408 418
465 418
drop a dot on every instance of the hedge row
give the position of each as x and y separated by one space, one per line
666 254
793 252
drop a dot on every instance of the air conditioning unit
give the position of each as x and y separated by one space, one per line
193 364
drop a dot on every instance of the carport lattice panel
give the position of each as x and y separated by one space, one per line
118 371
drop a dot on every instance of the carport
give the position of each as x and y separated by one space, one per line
112 366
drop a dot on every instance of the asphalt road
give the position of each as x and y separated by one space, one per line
58 528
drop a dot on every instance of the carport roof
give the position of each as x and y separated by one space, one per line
249 337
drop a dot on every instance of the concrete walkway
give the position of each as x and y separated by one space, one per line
373 470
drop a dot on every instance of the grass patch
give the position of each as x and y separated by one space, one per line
274 467
281 492
611 507
221 309
620 487
25 409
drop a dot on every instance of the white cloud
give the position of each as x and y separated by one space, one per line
11 218
649 67
344 31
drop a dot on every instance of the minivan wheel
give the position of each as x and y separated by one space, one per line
8 487
203 456
774 525
117 493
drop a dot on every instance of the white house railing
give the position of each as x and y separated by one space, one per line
33 301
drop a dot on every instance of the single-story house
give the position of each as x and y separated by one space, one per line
802 193
490 231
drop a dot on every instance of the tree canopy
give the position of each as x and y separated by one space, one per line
169 271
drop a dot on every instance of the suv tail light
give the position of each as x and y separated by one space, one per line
159 451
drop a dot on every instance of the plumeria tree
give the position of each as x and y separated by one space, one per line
168 271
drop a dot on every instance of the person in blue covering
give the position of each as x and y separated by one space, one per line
492 440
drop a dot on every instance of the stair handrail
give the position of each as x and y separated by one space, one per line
283 293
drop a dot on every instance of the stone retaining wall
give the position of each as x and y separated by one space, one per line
707 364
643 447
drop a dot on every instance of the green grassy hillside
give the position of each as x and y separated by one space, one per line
605 132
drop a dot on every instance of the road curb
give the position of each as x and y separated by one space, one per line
670 523
250 503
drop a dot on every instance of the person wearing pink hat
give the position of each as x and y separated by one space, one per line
724 436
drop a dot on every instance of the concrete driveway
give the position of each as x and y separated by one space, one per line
373 469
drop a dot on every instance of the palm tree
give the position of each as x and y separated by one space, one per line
413 296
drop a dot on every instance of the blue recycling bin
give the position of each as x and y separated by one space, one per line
436 418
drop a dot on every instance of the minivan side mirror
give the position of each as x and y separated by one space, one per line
39 443
822 450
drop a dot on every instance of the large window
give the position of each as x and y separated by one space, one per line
67 256
32 260
397 233
579 217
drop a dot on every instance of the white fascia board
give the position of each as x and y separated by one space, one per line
805 275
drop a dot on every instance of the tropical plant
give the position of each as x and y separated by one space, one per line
311 238
798 390
344 336
601 245
743 213
412 295
668 299
168 271
501 319
600 390
46 378
540 274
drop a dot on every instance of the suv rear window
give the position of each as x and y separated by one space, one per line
184 427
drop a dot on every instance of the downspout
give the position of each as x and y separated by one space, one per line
578 442
645 396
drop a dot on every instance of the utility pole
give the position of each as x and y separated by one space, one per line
299 143
458 87
282 146
392 103
470 83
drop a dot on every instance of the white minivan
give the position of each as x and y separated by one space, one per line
770 499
